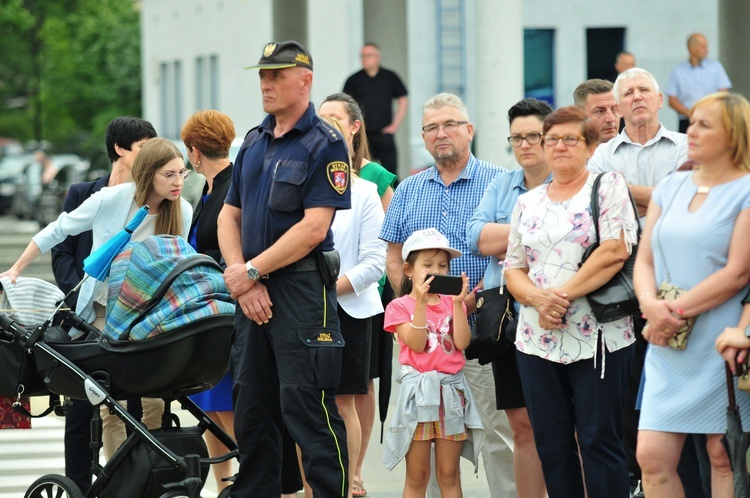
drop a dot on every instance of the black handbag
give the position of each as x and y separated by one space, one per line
616 299
493 333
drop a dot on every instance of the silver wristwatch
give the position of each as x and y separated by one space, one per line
252 272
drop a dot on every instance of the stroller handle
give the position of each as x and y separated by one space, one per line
10 330
80 323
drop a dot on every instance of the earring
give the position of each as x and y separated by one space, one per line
197 164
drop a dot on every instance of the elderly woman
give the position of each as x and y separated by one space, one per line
487 235
696 237
573 370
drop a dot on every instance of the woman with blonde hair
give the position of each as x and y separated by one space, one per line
695 243
348 114
157 177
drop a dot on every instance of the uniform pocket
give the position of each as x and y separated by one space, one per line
324 348
288 180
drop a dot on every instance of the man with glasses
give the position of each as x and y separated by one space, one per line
374 88
595 98
444 197
644 152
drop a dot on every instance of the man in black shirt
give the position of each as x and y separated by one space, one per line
374 88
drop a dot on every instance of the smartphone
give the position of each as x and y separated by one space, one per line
445 284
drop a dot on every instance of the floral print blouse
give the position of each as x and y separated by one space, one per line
549 238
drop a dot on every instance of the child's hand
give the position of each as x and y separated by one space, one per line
421 286
464 290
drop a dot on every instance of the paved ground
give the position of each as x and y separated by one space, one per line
26 455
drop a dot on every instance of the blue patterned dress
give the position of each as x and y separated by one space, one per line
685 391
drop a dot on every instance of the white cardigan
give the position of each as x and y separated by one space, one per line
355 236
104 213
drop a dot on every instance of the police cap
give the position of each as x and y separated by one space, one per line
280 55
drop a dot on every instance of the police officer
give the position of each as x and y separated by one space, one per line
289 178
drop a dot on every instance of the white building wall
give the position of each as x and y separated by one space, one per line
656 33
181 30
237 30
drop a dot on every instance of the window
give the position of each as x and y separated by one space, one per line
200 84
602 47
178 92
213 81
539 64
165 82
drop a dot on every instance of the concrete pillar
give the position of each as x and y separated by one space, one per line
385 23
290 21
334 30
734 42
499 76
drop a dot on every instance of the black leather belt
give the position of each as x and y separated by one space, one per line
309 263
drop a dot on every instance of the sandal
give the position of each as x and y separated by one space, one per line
358 489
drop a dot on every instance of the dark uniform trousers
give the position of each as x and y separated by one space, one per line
286 373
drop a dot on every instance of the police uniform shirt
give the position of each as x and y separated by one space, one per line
276 179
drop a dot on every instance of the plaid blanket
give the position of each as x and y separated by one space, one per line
136 274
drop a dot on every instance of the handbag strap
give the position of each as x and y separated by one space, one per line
662 217
595 207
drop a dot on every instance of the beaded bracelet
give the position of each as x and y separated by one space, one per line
423 327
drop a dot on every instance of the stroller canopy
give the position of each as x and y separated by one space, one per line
158 285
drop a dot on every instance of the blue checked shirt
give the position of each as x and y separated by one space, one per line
424 201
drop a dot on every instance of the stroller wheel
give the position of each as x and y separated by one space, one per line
53 486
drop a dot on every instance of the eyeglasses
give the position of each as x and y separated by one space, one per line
172 177
569 140
448 127
531 139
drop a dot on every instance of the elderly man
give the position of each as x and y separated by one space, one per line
289 178
644 152
595 98
375 88
444 197
694 79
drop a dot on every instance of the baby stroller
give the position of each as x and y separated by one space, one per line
165 337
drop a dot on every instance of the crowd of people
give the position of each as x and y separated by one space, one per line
308 226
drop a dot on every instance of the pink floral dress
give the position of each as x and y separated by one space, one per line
549 238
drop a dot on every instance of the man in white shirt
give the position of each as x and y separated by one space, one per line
645 151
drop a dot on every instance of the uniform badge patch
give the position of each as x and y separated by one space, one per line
338 176
268 51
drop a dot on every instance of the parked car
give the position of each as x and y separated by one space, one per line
11 168
41 199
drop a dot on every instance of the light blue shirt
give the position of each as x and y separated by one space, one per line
424 201
691 83
644 165
496 206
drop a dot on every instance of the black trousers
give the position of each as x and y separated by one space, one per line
683 125
383 150
568 400
286 373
